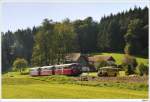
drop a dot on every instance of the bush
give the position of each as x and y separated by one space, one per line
142 69
25 73
102 63
20 64
129 64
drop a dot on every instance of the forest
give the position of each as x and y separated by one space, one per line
124 32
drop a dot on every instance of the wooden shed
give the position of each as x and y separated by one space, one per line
79 58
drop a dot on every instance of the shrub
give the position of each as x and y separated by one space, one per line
129 64
102 63
20 64
142 69
25 73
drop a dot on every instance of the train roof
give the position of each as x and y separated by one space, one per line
34 67
47 67
61 65
65 64
109 67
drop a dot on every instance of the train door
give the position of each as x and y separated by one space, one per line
53 70
39 71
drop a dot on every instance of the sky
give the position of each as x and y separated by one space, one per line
22 15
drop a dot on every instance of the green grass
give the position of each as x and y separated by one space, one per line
92 74
118 57
14 74
56 87
67 91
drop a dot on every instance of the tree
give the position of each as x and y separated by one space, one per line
142 69
7 52
103 41
114 31
43 44
20 64
129 64
53 41
23 44
133 45
86 31
65 40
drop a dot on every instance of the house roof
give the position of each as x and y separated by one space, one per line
72 56
97 58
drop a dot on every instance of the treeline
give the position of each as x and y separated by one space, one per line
126 29
49 43
17 45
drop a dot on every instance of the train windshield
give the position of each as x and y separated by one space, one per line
47 67
34 69
76 66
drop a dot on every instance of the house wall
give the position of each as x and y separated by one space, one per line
82 61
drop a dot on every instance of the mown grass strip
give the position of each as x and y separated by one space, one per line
68 91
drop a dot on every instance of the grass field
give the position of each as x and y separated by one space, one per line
16 86
67 91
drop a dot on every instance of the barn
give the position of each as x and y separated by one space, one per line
80 58
97 58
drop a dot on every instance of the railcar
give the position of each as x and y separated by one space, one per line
34 71
46 70
68 69
41 71
63 69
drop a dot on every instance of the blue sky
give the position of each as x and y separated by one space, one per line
22 15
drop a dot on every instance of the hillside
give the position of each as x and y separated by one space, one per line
119 56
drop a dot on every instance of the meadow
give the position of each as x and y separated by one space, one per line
16 86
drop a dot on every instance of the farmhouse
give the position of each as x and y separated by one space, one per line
80 58
97 58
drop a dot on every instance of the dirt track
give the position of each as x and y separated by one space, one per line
135 79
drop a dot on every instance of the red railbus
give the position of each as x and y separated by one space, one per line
41 71
68 69
63 69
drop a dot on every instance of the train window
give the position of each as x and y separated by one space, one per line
49 68
33 69
59 68
76 67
